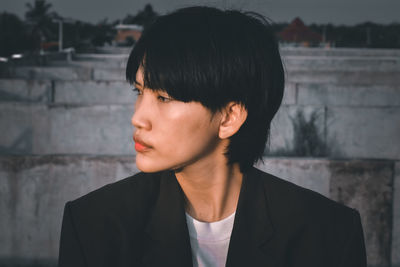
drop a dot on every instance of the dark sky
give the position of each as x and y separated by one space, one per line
348 12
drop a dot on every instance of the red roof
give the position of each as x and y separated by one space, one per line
298 32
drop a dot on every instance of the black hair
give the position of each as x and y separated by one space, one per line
215 57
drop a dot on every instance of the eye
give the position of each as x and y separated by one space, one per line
163 98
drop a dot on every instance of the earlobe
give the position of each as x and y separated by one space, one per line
233 117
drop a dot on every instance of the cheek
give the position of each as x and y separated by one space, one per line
177 126
194 136
190 130
178 142
181 133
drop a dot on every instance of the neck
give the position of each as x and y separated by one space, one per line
211 189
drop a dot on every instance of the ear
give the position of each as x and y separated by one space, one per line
233 117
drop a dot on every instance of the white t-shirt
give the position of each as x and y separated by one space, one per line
210 241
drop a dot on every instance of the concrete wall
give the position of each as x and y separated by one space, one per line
341 104
47 117
58 117
396 218
348 119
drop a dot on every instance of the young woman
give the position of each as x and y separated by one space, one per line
209 83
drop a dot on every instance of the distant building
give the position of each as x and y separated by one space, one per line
127 34
49 46
298 34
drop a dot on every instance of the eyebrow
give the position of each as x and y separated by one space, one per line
137 84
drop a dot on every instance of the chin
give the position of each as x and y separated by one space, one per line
146 165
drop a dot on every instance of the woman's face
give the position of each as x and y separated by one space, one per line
171 134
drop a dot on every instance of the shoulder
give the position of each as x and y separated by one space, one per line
290 202
292 195
132 195
310 221
102 223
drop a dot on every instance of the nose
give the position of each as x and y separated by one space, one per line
141 116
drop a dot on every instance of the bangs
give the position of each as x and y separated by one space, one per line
187 58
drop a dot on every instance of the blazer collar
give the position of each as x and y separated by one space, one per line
252 229
169 242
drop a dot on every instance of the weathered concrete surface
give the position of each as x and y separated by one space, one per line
348 94
52 73
33 191
346 55
315 176
367 186
94 64
27 262
363 132
99 130
292 62
396 217
290 94
339 52
329 63
93 92
25 90
111 74
24 128
101 60
39 129
293 56
344 77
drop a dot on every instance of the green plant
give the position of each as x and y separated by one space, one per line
307 140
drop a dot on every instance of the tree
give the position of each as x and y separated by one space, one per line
144 17
366 34
13 38
40 20
102 33
39 12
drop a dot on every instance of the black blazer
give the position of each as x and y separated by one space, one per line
140 221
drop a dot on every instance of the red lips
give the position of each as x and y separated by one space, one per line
140 146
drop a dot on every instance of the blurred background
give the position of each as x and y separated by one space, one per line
65 110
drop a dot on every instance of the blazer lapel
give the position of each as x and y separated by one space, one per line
252 230
167 240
